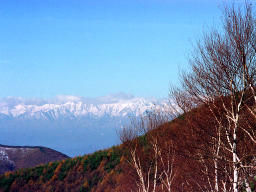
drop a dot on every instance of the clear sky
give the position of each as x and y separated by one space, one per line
97 47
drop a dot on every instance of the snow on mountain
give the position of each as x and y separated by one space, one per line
118 105
70 124
3 154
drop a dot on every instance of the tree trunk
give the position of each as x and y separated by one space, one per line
235 163
216 175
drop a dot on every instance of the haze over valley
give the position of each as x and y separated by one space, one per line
118 96
70 124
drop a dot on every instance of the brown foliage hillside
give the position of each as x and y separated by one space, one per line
188 135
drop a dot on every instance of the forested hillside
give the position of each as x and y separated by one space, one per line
180 147
210 145
85 173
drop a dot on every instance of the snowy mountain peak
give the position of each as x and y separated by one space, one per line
68 106
71 124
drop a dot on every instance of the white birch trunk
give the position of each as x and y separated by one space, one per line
216 175
247 186
235 163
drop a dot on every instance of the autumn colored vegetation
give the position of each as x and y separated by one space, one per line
85 173
180 142
210 146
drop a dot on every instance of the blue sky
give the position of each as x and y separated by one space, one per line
97 47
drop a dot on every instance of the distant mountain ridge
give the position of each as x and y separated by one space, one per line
75 107
70 124
16 157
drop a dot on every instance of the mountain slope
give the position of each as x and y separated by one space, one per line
77 174
17 157
112 170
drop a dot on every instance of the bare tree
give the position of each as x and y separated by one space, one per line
223 78
156 168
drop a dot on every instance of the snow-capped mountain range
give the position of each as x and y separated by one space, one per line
119 105
70 124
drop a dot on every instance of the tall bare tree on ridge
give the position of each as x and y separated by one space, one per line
223 78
